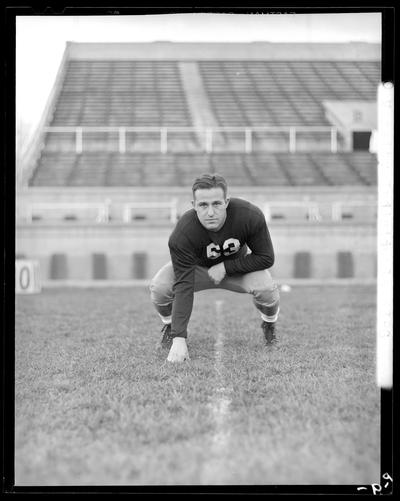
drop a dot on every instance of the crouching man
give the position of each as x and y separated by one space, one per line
220 243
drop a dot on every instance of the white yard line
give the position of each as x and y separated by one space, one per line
214 468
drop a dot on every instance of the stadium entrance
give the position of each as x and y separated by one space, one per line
361 140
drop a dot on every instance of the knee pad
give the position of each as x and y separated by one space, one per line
160 293
267 297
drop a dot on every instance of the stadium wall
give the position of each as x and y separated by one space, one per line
324 196
138 250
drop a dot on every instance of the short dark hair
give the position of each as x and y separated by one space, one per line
208 181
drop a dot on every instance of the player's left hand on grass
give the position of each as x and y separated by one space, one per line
178 351
217 273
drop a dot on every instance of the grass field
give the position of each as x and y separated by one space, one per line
97 403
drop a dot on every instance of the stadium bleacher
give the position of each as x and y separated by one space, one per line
178 169
284 93
239 93
121 93
128 127
365 165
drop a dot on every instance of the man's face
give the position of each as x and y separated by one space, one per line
210 205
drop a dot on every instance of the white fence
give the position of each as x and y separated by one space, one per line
208 134
170 207
96 212
305 210
124 213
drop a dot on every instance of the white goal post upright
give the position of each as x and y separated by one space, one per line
384 355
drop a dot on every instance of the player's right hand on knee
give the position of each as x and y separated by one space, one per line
178 351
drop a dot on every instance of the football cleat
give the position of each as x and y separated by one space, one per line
166 340
269 332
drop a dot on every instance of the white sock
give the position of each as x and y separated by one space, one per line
270 318
166 320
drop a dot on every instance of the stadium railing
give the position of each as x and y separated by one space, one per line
309 210
172 207
96 212
338 208
126 212
100 210
207 133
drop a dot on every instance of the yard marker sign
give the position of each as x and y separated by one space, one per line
384 356
27 280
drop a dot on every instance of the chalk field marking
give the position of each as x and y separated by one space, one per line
221 400
214 468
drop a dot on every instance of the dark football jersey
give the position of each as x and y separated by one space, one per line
192 244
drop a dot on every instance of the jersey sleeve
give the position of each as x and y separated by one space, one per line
262 252
184 262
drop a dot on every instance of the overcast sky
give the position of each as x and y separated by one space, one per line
40 40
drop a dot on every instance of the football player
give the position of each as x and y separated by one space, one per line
220 243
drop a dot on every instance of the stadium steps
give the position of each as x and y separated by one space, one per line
55 169
365 164
60 142
158 170
336 169
89 170
300 170
200 109
358 172
190 166
266 169
363 88
232 167
124 170
321 174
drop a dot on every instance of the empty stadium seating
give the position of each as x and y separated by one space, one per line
284 93
175 169
244 93
121 93
365 165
